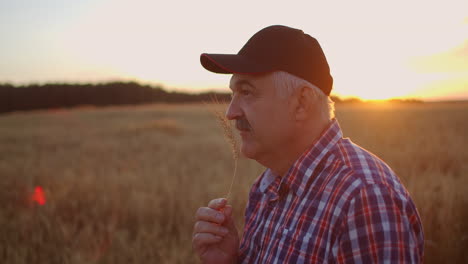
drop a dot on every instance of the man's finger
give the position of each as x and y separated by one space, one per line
209 215
229 222
204 239
207 227
217 203
228 210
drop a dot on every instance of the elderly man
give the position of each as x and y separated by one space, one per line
322 198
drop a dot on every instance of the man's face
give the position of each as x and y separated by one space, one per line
263 118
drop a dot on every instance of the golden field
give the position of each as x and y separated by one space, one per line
122 184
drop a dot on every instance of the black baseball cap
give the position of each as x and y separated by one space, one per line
276 48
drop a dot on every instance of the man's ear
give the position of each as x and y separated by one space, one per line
304 103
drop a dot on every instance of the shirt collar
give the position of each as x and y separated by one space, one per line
299 174
267 181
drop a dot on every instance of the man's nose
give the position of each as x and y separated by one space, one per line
233 112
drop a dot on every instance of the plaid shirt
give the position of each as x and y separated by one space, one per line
338 203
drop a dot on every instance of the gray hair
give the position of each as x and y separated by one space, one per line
286 84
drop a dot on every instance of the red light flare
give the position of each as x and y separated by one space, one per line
38 196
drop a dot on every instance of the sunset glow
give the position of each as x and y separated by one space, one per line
376 50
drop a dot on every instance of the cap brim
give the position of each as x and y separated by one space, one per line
232 63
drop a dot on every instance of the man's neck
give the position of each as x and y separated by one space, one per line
281 161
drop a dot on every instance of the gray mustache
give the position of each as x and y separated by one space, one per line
242 124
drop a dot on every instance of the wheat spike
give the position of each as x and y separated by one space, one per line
228 136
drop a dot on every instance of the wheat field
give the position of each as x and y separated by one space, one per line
122 184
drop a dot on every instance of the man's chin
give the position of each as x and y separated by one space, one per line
248 151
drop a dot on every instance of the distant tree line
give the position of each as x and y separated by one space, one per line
58 95
31 97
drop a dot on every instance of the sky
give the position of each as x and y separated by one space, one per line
375 49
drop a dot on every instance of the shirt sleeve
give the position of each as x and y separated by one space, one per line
380 226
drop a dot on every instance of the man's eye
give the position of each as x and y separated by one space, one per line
244 92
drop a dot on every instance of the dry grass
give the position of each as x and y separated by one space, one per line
123 184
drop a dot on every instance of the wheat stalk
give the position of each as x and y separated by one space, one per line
228 136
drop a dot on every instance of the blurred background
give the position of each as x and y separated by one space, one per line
108 145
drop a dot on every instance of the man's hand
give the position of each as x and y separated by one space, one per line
215 238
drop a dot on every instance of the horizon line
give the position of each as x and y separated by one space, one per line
222 90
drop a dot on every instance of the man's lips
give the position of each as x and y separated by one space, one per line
243 125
